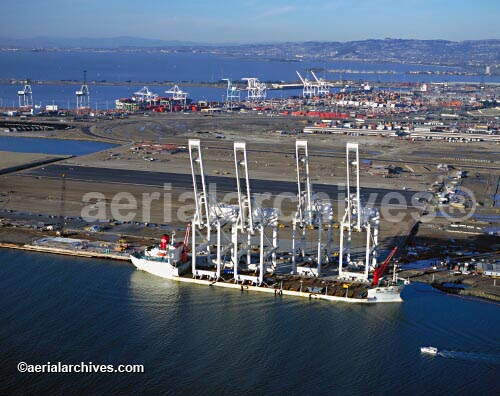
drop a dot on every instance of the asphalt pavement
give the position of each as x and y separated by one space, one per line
185 182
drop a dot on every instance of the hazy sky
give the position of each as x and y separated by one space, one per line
253 20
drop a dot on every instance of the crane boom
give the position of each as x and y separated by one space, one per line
243 185
199 185
301 78
305 193
379 271
315 77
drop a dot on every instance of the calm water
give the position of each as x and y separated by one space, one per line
51 146
179 67
197 340
123 66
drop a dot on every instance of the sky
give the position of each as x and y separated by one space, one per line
247 21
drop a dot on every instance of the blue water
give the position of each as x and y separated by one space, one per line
455 285
177 67
51 146
195 340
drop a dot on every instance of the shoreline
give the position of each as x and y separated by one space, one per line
34 164
473 291
476 295
97 138
217 85
64 252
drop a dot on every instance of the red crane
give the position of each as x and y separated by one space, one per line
184 245
184 254
379 271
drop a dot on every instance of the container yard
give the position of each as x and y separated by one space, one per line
452 112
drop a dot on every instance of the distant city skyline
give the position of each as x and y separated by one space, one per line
253 20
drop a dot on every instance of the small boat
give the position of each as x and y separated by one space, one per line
429 350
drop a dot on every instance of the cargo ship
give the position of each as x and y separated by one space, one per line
171 260
166 260
237 245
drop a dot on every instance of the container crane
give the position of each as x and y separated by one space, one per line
178 94
310 88
83 95
323 85
256 91
144 95
211 223
311 215
255 226
25 97
357 218
232 94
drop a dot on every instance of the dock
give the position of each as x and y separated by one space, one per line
66 252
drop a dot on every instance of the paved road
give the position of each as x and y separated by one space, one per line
339 153
184 181
336 153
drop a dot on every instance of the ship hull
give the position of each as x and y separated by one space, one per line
162 269
386 294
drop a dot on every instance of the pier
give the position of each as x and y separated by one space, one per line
66 252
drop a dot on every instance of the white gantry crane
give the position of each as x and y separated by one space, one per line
256 91
322 84
178 95
83 95
212 225
144 95
255 230
25 97
232 94
360 219
311 215
310 89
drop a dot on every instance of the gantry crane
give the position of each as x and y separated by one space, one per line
25 97
256 91
178 95
255 226
360 219
311 215
144 95
322 84
83 95
310 88
212 223
232 94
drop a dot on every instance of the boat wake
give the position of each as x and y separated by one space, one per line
474 356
